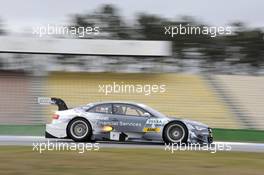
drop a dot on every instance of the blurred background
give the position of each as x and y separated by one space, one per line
215 80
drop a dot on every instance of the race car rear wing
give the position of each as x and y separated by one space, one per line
53 101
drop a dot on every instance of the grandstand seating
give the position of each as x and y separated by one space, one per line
221 101
246 93
187 96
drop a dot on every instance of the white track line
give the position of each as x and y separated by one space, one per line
29 140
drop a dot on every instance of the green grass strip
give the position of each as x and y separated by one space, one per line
240 135
30 130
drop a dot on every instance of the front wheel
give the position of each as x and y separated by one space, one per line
79 130
175 132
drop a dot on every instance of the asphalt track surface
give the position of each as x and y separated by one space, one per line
31 140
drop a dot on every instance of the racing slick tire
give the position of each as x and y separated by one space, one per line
175 132
79 130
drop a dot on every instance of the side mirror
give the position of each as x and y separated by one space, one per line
146 114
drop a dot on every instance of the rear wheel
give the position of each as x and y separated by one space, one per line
79 130
175 132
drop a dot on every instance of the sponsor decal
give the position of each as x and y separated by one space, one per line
156 122
45 101
114 135
151 129
107 123
120 123
100 118
129 124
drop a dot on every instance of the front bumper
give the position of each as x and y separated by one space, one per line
204 136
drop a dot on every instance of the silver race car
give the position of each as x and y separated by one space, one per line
121 121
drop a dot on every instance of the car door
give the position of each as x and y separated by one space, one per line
101 115
130 118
